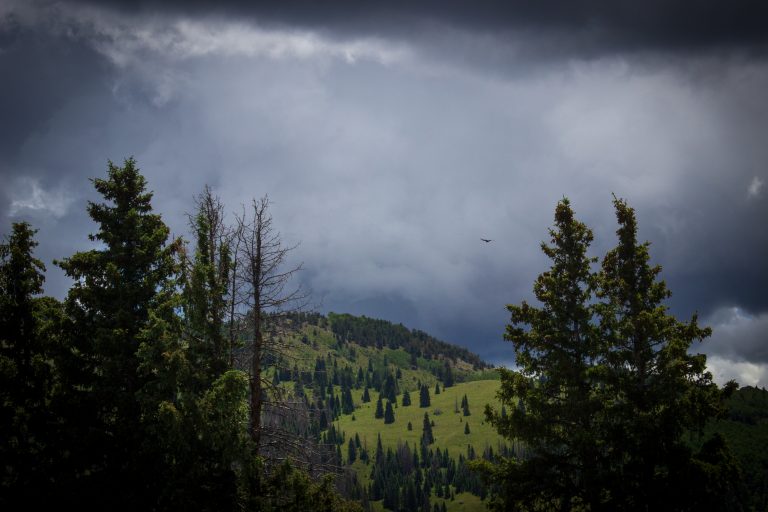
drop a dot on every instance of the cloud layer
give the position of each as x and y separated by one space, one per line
388 155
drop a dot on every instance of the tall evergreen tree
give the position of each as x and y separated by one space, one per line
28 335
206 278
406 398
606 387
655 390
554 345
379 413
116 285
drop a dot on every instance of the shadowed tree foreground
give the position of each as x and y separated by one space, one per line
606 388
125 396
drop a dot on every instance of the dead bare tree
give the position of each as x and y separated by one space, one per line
265 295
241 314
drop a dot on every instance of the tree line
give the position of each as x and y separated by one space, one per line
381 333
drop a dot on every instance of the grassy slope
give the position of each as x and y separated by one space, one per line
322 343
448 429
449 426
748 438
480 388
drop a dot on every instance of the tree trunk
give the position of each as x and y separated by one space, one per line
256 402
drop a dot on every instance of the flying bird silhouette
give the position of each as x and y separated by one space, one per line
486 240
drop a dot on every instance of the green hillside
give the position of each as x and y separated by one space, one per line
332 361
448 429
444 411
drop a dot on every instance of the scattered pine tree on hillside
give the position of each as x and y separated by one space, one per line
465 406
424 400
427 437
389 414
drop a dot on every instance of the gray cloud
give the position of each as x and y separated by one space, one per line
738 348
596 25
739 336
389 157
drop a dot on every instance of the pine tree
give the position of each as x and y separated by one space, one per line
379 413
606 387
465 406
366 395
424 400
648 357
389 414
28 336
466 428
554 345
437 388
115 288
389 388
406 398
351 452
427 437
347 403
205 281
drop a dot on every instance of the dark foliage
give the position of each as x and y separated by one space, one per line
124 397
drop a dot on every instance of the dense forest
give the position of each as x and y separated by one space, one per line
190 375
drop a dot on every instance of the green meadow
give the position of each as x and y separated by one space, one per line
448 426
448 429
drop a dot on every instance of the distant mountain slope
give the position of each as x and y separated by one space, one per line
340 369
406 349
381 333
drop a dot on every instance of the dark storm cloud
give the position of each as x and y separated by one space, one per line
592 26
40 76
392 137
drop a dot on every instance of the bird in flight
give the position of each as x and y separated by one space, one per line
486 240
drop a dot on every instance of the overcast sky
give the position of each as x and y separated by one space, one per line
392 136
